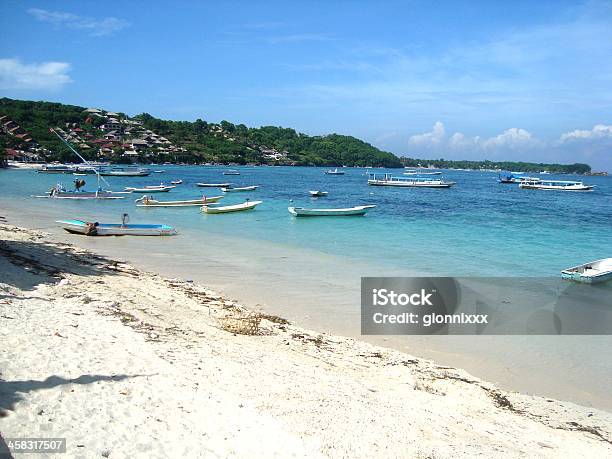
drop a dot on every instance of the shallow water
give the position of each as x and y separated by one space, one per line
309 270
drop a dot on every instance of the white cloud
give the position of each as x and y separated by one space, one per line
428 139
512 138
15 74
95 27
599 131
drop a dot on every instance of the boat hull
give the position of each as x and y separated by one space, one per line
228 209
188 203
235 190
111 229
407 184
348 212
213 185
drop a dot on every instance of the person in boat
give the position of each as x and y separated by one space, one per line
78 184
91 229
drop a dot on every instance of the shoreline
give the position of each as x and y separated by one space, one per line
91 342
264 278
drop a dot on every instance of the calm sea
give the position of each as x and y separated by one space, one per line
309 269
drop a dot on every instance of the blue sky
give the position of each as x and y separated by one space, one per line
498 80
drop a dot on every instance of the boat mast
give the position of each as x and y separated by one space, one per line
82 159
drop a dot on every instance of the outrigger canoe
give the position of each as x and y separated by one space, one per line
349 211
248 205
243 188
147 201
115 229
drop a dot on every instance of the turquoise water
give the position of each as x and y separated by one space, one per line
478 227
308 269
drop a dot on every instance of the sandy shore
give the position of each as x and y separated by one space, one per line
125 363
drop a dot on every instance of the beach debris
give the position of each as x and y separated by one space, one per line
58 334
241 323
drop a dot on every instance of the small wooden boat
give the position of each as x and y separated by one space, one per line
243 188
147 201
334 172
214 185
125 172
176 182
558 185
349 211
115 229
248 205
318 193
231 172
151 189
590 273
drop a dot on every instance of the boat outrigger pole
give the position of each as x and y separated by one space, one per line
82 159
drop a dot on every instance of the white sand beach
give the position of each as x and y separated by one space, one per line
126 363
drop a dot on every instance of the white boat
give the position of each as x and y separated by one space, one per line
176 182
115 229
231 172
147 201
243 188
415 172
334 172
318 193
159 172
413 182
349 211
248 205
559 185
214 185
590 273
150 189
125 172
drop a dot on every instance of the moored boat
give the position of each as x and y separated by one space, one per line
231 172
176 182
150 189
334 172
558 185
414 182
125 172
243 188
214 185
590 273
318 193
417 172
248 205
115 229
147 201
59 192
343 212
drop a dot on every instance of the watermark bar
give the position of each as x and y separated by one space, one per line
483 306
24 445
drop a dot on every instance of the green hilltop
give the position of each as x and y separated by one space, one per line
107 136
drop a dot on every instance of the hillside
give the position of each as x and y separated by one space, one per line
107 136
104 135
